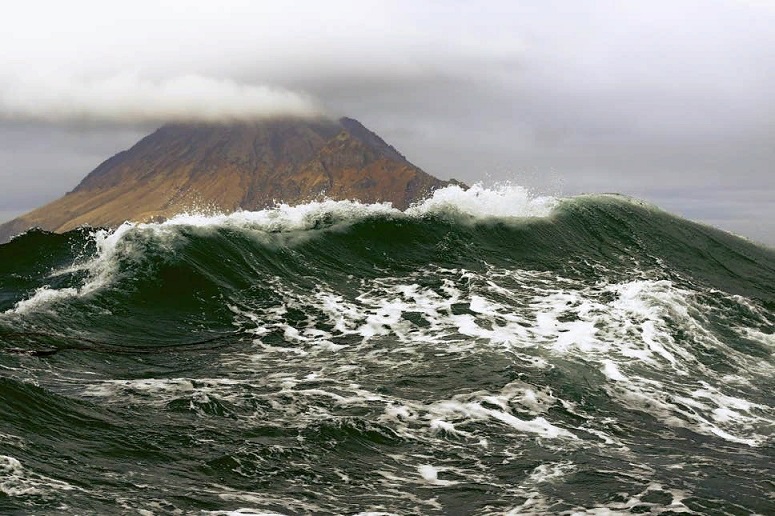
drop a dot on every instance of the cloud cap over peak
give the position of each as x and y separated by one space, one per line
128 98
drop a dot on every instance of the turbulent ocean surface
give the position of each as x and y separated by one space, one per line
485 352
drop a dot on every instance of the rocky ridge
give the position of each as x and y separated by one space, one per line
226 167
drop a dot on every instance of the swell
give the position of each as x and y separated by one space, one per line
177 282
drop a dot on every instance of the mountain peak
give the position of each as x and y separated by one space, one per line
244 165
370 138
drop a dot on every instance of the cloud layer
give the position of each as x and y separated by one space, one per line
670 100
129 99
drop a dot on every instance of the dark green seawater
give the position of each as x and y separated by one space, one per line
484 353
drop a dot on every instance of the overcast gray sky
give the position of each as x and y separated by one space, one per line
670 101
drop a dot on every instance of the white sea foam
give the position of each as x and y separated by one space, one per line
431 475
42 298
500 201
17 481
549 472
100 271
504 200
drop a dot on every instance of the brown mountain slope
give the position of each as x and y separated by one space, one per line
224 167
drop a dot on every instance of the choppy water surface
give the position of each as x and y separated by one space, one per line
484 353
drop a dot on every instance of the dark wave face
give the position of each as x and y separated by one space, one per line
485 352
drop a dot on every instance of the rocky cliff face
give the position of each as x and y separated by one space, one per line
224 167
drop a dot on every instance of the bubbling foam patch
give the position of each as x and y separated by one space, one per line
17 481
645 337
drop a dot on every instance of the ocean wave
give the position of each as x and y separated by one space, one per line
484 351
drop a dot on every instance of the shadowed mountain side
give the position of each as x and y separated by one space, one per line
225 167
